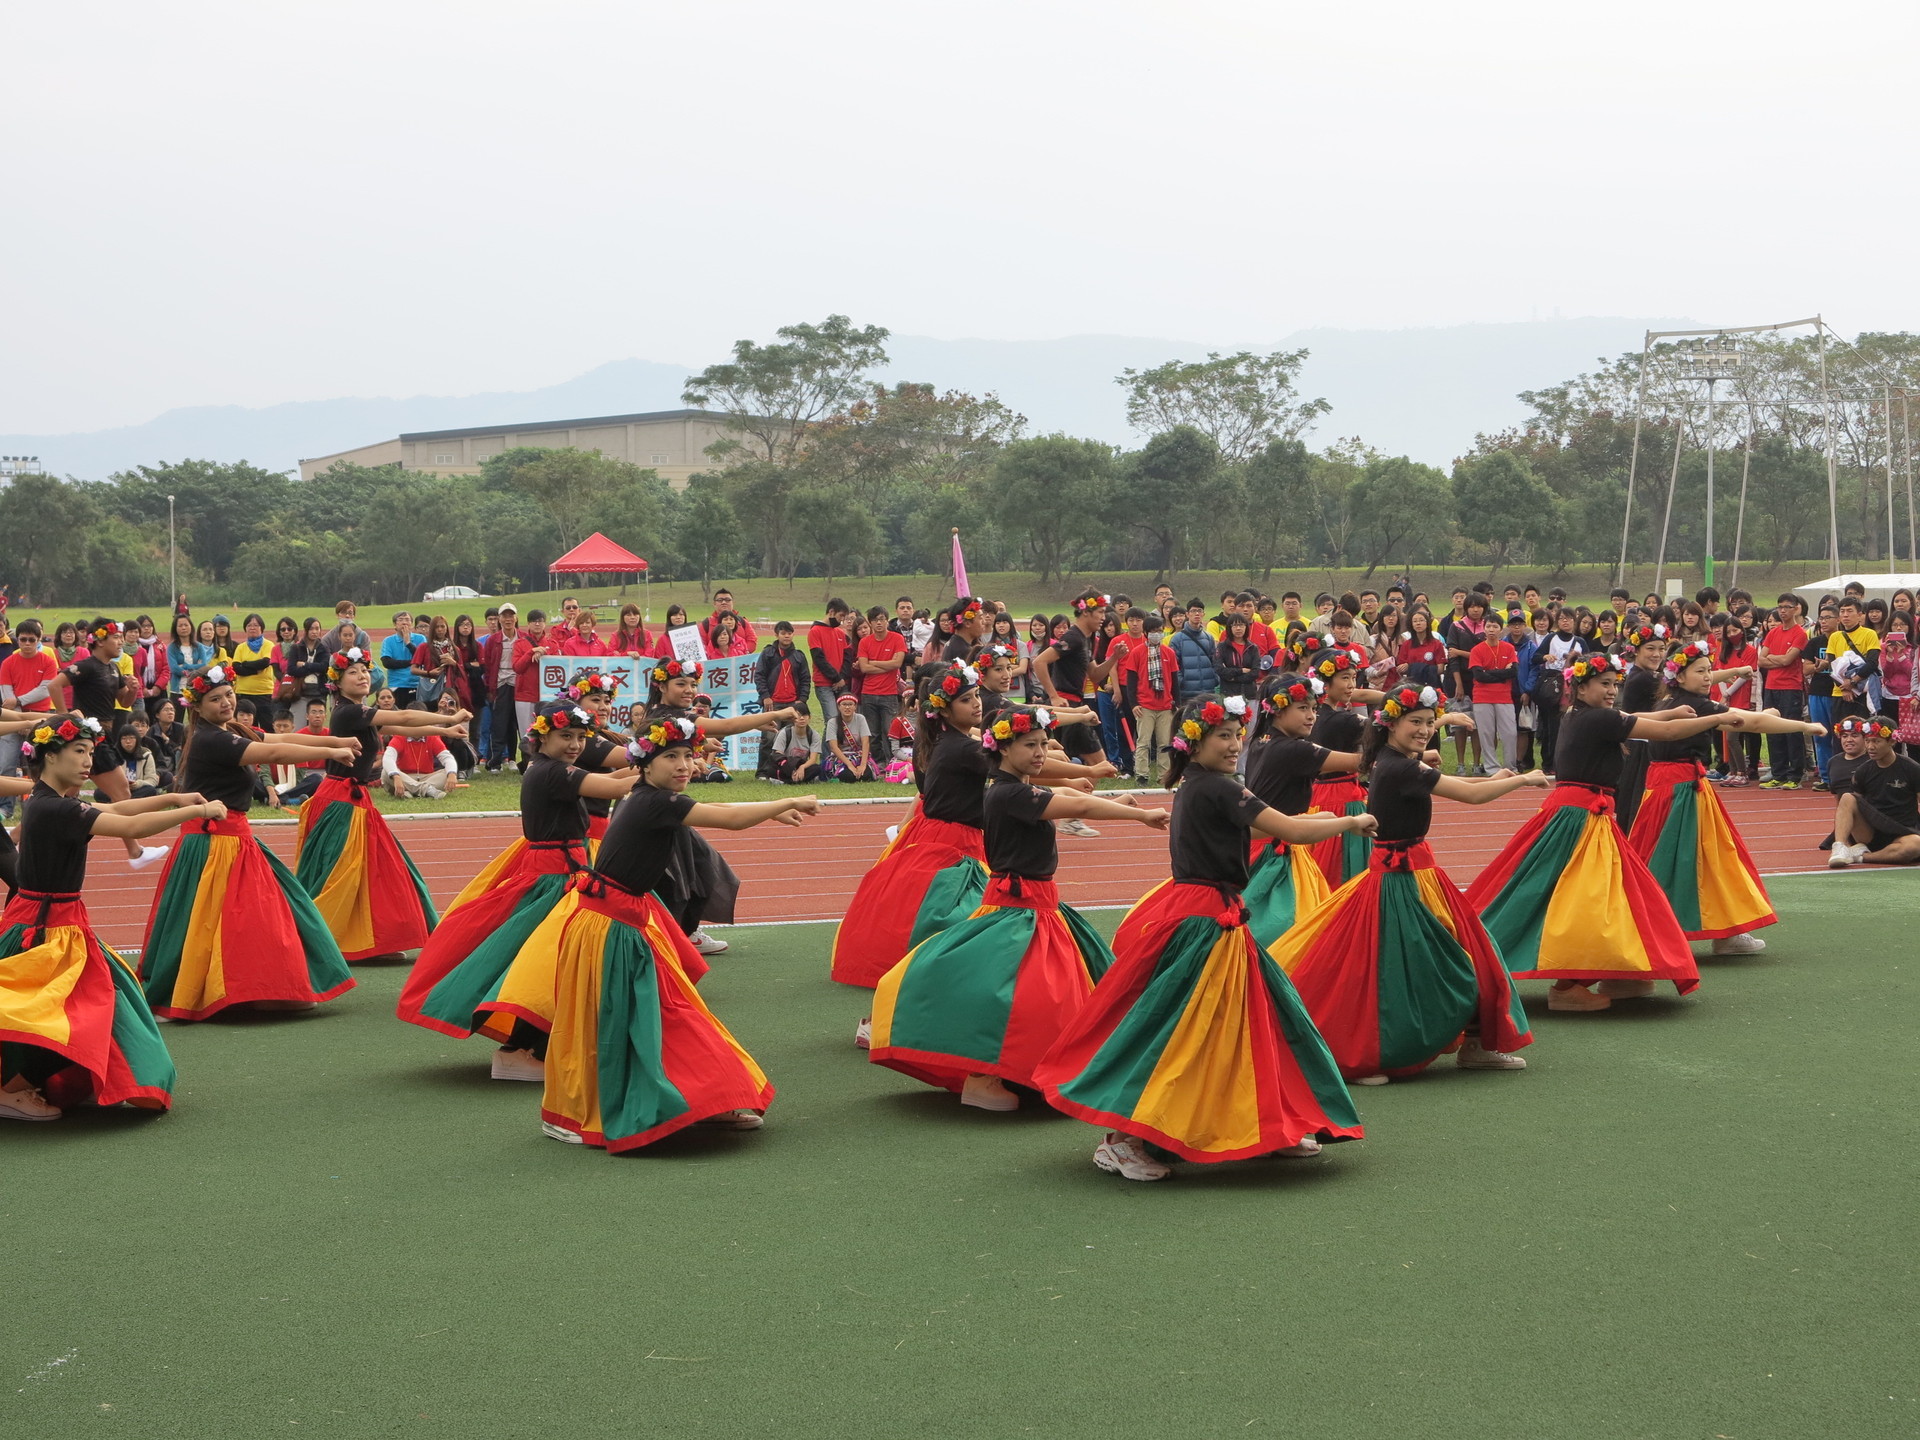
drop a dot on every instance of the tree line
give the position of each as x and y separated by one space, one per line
825 474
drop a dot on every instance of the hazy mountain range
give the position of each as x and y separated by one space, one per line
1423 393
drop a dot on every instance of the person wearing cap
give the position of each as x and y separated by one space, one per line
1491 666
456 983
507 661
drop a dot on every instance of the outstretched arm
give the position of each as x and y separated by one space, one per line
1073 805
1680 724
1311 829
787 810
1770 722
1485 790
119 824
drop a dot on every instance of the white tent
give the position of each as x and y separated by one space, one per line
1879 587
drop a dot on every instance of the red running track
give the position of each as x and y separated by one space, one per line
810 873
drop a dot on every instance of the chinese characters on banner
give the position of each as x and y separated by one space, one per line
729 682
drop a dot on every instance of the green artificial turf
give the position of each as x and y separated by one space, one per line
1690 1218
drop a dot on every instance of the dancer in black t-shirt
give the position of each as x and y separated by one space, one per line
1876 818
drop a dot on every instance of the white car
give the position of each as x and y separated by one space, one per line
452 592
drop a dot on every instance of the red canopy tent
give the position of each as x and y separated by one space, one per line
598 555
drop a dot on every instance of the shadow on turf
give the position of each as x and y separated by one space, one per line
81 1124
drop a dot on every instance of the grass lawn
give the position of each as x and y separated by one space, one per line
804 599
1689 1219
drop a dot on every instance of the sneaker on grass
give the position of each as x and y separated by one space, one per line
1747 944
1126 1157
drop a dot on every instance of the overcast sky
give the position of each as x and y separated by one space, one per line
247 203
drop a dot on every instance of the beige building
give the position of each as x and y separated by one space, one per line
673 442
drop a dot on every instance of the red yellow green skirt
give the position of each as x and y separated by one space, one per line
461 966
64 992
1568 899
1284 888
633 1053
362 882
220 885
905 897
1697 856
990 994
1194 1040
1340 857
1396 968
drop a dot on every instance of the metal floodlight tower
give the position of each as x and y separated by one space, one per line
1708 364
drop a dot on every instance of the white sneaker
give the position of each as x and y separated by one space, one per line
1078 827
1306 1147
1748 944
1126 1157
1839 856
1369 1080
28 1104
734 1120
560 1133
893 833
1474 1056
1576 997
148 855
863 1034
706 944
519 1065
986 1092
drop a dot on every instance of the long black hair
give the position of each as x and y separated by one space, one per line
930 723
1180 751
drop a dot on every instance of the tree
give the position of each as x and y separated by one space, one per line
1400 506
1241 402
1498 500
217 507
1786 498
772 395
706 529
1048 491
570 487
834 526
1177 483
1275 498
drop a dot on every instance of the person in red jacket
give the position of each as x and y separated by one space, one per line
1491 666
745 639
507 660
584 638
827 646
1146 674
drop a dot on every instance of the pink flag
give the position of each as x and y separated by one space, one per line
959 568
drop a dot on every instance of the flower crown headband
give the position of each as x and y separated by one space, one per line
971 610
1001 651
1646 634
1679 660
950 685
1408 698
1868 727
571 718
1211 715
112 627
1307 643
590 682
1334 662
1589 666
1092 602
49 739
1012 724
207 681
664 735
343 661
1303 690
677 670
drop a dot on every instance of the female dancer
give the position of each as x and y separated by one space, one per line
605 752
700 887
1567 900
74 1027
457 976
1396 969
633 1054
1685 835
347 857
1194 1040
1337 728
230 925
1283 888
980 1003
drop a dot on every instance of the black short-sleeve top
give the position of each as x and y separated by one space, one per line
1588 750
213 768
1893 790
1400 796
598 758
639 840
954 782
1073 657
550 803
1019 839
355 721
1694 747
1280 770
1338 729
95 687
1639 692
1212 814
54 831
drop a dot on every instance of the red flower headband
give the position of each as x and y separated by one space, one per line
1210 715
591 682
112 627
662 736
1408 698
1589 666
50 738
1333 663
1303 690
343 661
1013 723
1092 602
678 670
207 681
1646 634
1681 658
1867 727
950 685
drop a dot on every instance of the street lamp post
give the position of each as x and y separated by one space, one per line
173 576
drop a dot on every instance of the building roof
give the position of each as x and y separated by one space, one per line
596 552
650 417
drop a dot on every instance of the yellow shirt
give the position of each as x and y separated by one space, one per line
125 662
1866 640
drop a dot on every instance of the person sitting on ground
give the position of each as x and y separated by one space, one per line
418 767
849 752
1876 819
796 752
